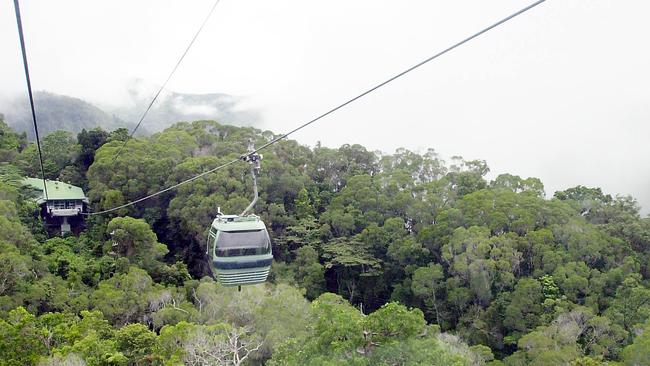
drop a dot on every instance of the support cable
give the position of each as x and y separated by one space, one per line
162 87
248 154
19 22
397 76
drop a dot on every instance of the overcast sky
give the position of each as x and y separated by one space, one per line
561 93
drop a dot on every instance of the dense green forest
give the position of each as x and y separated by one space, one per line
400 259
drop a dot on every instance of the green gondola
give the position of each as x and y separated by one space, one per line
241 250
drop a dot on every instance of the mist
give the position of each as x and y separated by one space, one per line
561 93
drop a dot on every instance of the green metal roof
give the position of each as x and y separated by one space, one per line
55 190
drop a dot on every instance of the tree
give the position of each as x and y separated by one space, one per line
97 351
341 335
89 142
337 325
637 352
552 345
60 149
11 143
523 313
517 184
631 306
427 282
122 298
121 134
71 359
14 268
585 199
309 272
134 239
136 342
20 343
12 230
282 314
422 351
304 208
201 345
391 323
350 260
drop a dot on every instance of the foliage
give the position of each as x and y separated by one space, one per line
341 335
406 259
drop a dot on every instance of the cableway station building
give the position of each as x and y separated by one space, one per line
63 208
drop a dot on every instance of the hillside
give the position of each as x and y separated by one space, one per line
59 112
400 259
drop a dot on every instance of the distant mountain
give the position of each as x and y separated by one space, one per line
60 112
175 107
56 112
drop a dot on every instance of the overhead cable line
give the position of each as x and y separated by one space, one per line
162 87
19 22
397 76
351 100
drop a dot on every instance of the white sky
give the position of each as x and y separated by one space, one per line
561 93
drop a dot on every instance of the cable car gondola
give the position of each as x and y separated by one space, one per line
241 250
240 244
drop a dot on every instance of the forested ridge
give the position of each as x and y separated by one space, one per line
400 259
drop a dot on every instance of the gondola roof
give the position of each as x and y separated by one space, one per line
238 223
